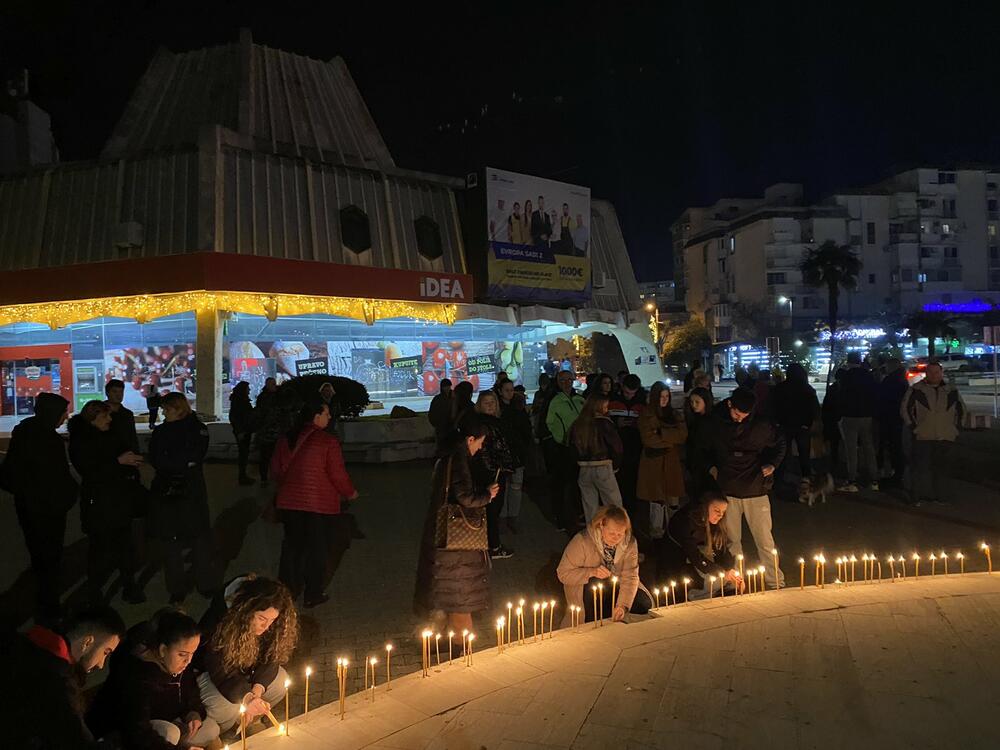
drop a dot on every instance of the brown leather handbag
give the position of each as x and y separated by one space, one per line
459 528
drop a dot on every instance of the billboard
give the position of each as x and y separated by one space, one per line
539 239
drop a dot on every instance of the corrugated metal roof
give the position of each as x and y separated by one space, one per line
609 256
286 103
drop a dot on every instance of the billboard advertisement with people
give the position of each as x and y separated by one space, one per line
539 239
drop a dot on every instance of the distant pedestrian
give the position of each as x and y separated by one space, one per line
796 408
831 412
563 410
891 393
934 410
439 414
857 398
598 450
267 424
313 483
517 429
661 475
122 418
747 450
178 507
241 420
455 582
153 401
36 471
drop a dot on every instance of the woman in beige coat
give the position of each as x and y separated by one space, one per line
661 477
604 550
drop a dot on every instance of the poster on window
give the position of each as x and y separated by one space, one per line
151 369
539 239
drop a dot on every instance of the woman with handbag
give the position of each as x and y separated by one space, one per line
495 462
110 491
604 549
178 508
308 466
661 478
453 573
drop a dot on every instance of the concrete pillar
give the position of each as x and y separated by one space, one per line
208 361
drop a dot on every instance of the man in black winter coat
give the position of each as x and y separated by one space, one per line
891 392
47 668
747 450
857 404
36 471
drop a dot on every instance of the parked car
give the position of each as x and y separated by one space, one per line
953 362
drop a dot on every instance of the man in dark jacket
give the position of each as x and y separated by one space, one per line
747 450
36 471
48 668
891 392
439 415
624 412
122 418
857 403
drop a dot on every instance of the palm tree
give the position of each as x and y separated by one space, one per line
930 325
832 266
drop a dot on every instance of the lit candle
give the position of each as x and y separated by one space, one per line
944 557
839 563
451 634
854 561
656 596
465 645
545 606
752 583
722 585
933 563
510 612
600 602
472 637
309 671
534 617
816 560
288 684
687 582
892 568
763 585
426 638
711 586
243 725
822 570
775 553
673 590
499 635
519 612
282 729
802 573
916 564
902 565
869 568
388 657
373 661
343 689
879 568
437 647
340 686
739 581
739 559
989 559
552 614
614 587
961 562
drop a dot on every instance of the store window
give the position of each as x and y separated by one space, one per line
428 237
355 231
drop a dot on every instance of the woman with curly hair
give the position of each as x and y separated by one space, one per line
250 631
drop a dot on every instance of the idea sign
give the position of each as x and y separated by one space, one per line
433 287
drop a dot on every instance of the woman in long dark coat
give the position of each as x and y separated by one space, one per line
178 508
456 582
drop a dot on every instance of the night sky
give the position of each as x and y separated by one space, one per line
655 108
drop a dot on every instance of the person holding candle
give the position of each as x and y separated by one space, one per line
661 478
493 464
455 581
598 455
46 669
249 632
151 699
605 548
747 448
696 545
313 482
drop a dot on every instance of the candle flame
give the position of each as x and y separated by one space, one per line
472 636
959 555
545 605
853 559
552 602
243 709
427 634
373 661
942 555
739 557
345 663
535 605
983 546
309 671
915 556
388 646
802 561
465 633
933 556
687 580
281 728
288 684
520 602
437 636
774 551
518 611
600 586
656 591
673 583
510 605
712 579
614 579
451 633
760 568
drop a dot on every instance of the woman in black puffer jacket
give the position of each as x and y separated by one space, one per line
456 582
109 494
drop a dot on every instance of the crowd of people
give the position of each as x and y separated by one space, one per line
632 478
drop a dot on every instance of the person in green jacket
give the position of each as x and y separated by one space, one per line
563 410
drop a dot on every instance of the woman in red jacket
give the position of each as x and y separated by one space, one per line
312 480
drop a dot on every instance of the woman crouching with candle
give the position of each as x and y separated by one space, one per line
455 581
249 633
604 549
151 699
696 546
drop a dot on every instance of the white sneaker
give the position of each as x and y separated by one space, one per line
848 487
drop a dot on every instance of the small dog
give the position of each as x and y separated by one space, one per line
815 488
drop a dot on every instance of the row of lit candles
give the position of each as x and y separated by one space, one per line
872 566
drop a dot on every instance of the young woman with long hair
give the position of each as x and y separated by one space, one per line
308 466
699 449
494 463
151 698
696 545
249 633
606 548
455 582
241 420
598 454
661 478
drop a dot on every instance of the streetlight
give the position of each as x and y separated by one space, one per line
786 301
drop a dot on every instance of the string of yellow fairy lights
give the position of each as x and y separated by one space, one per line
144 308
